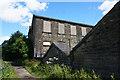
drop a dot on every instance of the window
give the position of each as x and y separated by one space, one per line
73 30
46 46
61 28
47 26
46 43
83 31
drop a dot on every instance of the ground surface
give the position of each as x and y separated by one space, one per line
22 72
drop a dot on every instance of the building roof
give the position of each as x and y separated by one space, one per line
64 21
60 46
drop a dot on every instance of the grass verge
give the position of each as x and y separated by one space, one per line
7 71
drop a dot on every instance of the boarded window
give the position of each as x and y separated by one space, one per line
61 28
46 46
83 31
73 30
46 43
47 26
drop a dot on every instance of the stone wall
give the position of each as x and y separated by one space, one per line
38 36
57 56
100 48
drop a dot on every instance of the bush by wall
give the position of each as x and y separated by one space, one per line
57 71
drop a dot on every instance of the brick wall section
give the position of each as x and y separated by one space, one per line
79 33
54 29
100 48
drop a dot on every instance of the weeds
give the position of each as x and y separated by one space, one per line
7 71
57 71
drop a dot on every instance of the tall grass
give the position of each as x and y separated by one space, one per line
57 71
7 71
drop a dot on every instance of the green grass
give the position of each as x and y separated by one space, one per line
7 71
56 71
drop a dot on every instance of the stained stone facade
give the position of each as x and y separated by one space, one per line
46 30
57 54
100 48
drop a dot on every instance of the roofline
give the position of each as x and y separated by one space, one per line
91 32
53 44
48 18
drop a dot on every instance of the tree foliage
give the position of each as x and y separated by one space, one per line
14 37
16 47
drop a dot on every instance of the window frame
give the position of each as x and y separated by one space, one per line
60 28
72 30
83 33
50 27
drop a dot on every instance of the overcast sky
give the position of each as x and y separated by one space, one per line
17 14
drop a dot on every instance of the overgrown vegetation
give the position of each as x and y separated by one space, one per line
57 71
7 71
17 47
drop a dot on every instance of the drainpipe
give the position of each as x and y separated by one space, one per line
69 45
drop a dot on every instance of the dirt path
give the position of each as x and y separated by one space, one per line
22 72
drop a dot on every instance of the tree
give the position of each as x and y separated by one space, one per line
16 47
14 37
20 46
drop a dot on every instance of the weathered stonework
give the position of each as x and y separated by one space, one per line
100 48
57 54
38 36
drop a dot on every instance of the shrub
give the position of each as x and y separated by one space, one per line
25 56
7 71
57 71
17 47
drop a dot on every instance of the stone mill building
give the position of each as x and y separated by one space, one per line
45 31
